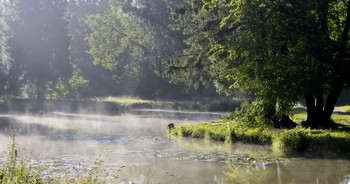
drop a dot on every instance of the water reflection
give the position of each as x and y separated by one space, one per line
296 171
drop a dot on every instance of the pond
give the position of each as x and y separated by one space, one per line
133 148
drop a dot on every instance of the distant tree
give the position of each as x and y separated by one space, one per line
98 77
132 38
193 65
8 81
279 51
40 42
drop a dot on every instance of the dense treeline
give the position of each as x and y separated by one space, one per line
274 53
45 51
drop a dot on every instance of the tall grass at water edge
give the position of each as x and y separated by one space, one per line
328 143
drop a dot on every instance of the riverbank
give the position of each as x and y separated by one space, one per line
305 141
328 143
115 105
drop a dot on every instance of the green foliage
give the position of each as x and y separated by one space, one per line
224 132
77 84
292 141
192 65
131 39
72 88
317 142
251 114
114 36
56 90
279 51
326 143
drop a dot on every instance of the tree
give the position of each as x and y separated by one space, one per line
132 39
98 77
282 50
40 42
193 65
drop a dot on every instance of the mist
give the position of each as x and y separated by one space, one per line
94 86
131 141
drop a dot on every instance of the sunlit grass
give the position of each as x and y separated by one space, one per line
300 115
228 132
345 108
298 140
128 101
202 104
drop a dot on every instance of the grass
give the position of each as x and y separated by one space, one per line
132 101
223 132
345 108
316 142
342 117
328 143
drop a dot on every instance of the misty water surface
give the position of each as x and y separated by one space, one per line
134 147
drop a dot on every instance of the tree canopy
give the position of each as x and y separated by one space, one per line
40 43
275 53
134 39
280 51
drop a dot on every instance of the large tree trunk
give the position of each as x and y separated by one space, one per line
318 113
314 110
332 101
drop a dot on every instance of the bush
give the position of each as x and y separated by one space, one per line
326 143
292 141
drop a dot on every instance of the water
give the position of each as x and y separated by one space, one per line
133 147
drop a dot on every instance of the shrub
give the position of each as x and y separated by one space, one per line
326 143
292 141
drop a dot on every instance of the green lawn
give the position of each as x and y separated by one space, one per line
341 114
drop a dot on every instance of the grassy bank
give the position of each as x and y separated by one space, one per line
328 143
218 131
295 141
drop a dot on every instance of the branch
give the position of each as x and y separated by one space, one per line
125 35
346 3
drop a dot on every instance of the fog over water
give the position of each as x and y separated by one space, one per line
135 148
134 143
